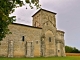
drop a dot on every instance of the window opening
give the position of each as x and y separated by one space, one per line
22 38
36 42
49 39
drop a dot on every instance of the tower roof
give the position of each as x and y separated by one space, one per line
44 10
60 31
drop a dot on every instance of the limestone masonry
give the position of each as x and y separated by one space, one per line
41 39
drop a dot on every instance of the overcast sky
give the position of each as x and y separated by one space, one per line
68 18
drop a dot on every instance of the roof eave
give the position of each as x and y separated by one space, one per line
43 10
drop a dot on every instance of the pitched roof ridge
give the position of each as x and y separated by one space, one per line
43 10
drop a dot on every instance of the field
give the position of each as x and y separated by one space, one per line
72 54
43 58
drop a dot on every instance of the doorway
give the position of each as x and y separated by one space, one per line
29 49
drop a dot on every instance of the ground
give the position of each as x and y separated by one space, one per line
43 58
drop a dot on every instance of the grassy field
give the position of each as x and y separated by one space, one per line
43 58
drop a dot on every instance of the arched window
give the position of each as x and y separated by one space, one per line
37 24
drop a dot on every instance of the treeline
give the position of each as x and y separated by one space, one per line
69 49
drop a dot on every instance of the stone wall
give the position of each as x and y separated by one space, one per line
3 48
31 34
48 16
42 17
60 43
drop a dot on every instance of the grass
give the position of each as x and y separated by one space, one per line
45 58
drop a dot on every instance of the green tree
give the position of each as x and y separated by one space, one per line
69 49
75 50
7 7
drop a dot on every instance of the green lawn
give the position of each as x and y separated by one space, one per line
43 58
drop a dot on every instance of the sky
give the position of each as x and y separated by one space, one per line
68 18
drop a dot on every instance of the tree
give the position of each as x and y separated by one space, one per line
75 50
7 7
69 49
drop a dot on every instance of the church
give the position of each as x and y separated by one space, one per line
42 39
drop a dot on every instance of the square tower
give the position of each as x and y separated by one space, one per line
42 17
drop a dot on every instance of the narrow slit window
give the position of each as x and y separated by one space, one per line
49 39
22 38
58 50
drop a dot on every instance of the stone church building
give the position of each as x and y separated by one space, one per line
41 39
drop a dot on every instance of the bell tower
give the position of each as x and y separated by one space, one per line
52 40
46 20
44 17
